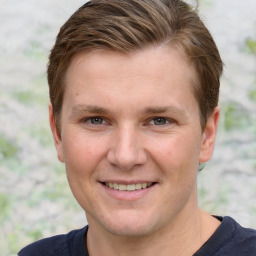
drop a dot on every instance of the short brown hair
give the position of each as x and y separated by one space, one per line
130 25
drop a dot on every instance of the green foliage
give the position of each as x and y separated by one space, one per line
35 50
8 148
221 199
35 234
235 116
251 48
208 3
12 242
42 134
219 203
5 207
252 95
37 93
251 45
24 97
35 198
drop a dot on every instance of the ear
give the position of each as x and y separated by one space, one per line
209 135
56 134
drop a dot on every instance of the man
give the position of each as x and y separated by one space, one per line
134 110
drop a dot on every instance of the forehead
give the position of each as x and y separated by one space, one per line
155 73
156 60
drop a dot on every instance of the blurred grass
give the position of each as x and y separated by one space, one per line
221 199
42 133
8 148
37 94
235 116
5 207
251 45
252 94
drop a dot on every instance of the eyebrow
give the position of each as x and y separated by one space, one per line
80 109
165 109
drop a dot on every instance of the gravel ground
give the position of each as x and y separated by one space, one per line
35 200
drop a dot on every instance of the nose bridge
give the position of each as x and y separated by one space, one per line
127 149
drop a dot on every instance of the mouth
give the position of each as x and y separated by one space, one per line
128 187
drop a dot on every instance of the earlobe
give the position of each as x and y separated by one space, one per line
56 134
209 135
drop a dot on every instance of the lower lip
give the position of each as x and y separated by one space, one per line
128 195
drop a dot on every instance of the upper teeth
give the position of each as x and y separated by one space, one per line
129 187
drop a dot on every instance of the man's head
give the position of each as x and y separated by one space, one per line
135 82
130 26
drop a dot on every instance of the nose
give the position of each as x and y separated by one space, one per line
126 149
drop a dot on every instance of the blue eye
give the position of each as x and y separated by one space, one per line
96 120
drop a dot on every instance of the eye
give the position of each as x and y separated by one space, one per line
159 121
96 120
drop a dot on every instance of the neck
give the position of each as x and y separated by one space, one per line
183 237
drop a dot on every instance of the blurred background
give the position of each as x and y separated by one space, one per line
35 200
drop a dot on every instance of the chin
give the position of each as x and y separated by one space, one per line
130 226
130 231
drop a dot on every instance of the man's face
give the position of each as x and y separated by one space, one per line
132 122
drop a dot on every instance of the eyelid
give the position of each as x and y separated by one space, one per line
105 120
86 119
168 119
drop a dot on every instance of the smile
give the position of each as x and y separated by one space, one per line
129 187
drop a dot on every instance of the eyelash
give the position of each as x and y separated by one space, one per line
102 120
158 118
94 117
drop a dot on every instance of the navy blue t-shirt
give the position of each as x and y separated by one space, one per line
230 239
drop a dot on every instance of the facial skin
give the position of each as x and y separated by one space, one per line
131 119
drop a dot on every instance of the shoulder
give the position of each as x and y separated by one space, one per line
240 232
230 239
242 241
56 245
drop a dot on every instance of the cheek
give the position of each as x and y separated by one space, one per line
176 150
177 158
81 153
82 158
